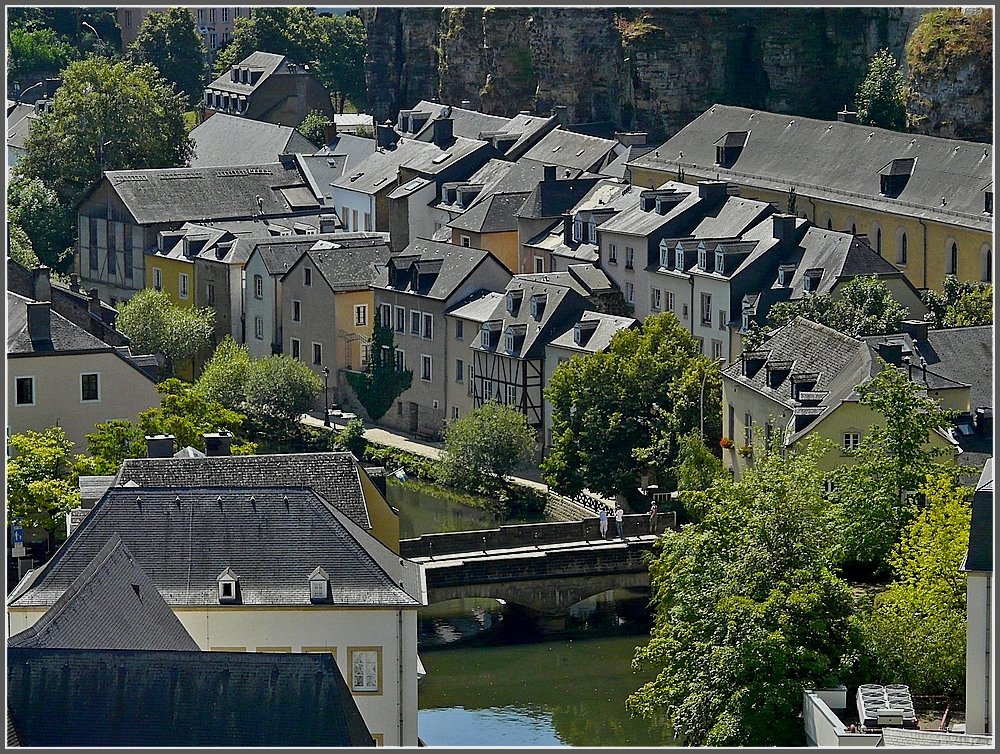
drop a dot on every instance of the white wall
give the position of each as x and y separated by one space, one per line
264 308
354 200
979 650
824 728
718 289
421 216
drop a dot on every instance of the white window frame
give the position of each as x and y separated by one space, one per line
459 370
539 264
679 259
716 349
427 326
851 441
295 349
315 353
510 395
670 301
258 328
361 315
415 321
426 367
629 293
183 290
702 259
307 277
459 330
34 397
258 287
385 315
90 400
720 262
484 338
508 342
706 309
399 359
655 299
296 310
629 257
365 670
722 319
455 413
399 325
612 253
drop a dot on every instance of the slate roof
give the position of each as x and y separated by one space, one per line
92 488
19 129
267 61
206 193
278 253
732 219
573 150
836 161
472 124
616 168
840 256
478 307
333 476
636 221
229 140
435 160
350 268
980 554
495 214
598 339
553 198
65 335
380 171
904 738
132 699
271 537
112 604
458 263
324 167
963 354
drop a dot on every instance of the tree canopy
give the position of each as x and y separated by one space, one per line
106 115
881 94
865 306
481 449
35 209
748 611
618 411
960 304
381 383
154 324
313 127
170 42
333 47
41 485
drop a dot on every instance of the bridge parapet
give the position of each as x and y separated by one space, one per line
525 535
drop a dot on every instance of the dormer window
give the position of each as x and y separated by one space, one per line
745 325
785 275
679 259
702 259
664 254
729 148
988 200
537 306
229 584
582 332
514 301
578 230
894 175
810 281
319 586
720 262
484 337
508 341
592 231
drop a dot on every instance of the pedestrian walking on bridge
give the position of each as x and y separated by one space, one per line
619 518
652 519
602 517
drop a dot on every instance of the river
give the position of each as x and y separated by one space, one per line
494 679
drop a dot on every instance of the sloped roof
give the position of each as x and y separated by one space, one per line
65 335
278 253
553 198
836 161
350 268
333 476
599 338
733 218
496 214
963 354
980 554
616 168
268 62
379 172
229 140
639 222
435 160
112 604
478 307
205 193
840 256
184 537
173 699
573 150
458 263
465 123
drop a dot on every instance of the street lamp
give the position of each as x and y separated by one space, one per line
84 23
326 396
701 401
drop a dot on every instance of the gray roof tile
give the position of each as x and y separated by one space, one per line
573 150
229 140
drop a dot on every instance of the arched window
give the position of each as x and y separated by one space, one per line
854 229
901 248
829 223
878 241
953 259
987 264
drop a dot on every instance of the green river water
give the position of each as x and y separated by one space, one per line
495 680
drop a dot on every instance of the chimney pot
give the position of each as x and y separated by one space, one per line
159 446
330 132
549 173
443 132
42 281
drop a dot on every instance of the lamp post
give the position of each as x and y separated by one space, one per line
326 396
701 401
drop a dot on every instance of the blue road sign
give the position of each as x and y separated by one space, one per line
17 535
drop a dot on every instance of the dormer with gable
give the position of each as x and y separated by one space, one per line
229 587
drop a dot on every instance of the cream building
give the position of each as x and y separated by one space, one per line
978 567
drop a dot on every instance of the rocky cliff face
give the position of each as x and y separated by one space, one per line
652 69
950 76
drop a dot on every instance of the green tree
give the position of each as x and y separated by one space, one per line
481 449
865 307
352 437
154 324
697 471
623 409
333 46
106 115
960 304
108 445
313 127
871 497
748 611
20 248
916 631
224 377
33 51
41 486
378 387
279 389
35 209
170 42
881 94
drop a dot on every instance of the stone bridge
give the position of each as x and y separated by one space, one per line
546 568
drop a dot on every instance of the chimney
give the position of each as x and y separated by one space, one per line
159 446
443 136
568 230
784 227
891 353
74 282
983 421
847 116
40 321
632 139
94 302
327 223
330 132
377 475
915 328
561 115
50 87
42 283
217 443
385 136
466 104
713 191
549 173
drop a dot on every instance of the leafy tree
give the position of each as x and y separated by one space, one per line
865 307
154 324
352 437
616 411
279 389
20 248
313 127
379 386
880 97
960 304
748 611
870 497
481 449
108 445
224 377
106 115
333 46
35 209
697 471
170 42
41 487
916 630
32 51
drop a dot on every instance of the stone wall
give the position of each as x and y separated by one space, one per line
651 69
